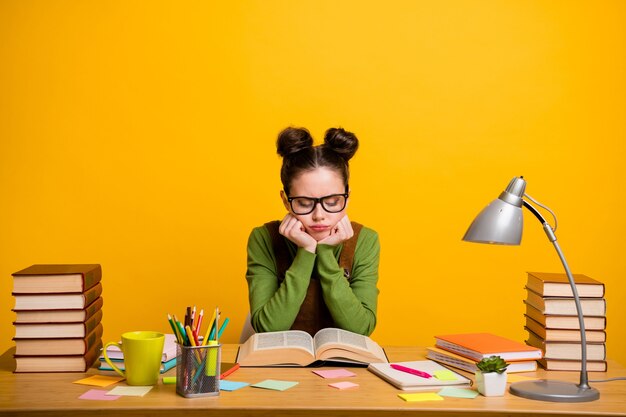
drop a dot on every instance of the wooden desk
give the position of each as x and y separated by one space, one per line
55 395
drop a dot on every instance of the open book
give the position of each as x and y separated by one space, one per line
298 348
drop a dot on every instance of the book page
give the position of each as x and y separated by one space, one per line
338 336
337 344
292 338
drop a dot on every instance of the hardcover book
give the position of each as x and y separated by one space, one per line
58 316
564 322
563 335
298 348
567 350
592 307
39 279
57 330
73 363
57 301
54 347
572 365
469 365
557 285
477 346
119 363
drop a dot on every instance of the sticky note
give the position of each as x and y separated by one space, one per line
226 385
334 373
343 385
422 396
98 394
99 380
130 391
518 378
458 392
275 385
445 375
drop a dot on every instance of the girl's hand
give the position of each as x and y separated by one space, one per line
293 230
340 233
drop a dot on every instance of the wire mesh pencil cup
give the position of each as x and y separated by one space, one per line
198 370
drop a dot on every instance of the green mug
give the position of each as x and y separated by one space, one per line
142 357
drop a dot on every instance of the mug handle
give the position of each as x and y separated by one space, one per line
106 358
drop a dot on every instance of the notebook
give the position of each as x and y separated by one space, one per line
409 382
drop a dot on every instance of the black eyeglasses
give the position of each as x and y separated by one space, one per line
333 203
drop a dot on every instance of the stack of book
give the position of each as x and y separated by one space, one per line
552 320
58 317
168 360
464 351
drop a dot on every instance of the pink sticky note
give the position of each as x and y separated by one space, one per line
343 385
334 373
98 394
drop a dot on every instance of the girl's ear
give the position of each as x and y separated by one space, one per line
283 196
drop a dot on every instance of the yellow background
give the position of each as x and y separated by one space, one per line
140 135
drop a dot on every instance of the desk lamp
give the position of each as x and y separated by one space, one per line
501 223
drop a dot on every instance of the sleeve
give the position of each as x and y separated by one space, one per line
274 307
352 304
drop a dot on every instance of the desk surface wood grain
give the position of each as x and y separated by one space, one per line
56 395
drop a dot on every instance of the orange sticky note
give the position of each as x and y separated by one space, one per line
99 380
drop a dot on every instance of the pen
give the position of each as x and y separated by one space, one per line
411 371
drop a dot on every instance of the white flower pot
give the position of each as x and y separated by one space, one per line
491 384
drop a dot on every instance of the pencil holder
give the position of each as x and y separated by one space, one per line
198 370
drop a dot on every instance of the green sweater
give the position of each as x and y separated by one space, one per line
352 304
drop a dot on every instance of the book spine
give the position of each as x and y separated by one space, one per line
91 295
91 278
93 322
93 308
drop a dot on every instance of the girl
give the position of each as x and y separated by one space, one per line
314 269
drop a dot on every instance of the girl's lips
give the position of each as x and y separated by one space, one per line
319 228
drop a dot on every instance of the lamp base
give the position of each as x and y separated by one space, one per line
555 391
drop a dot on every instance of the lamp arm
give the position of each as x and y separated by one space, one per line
584 382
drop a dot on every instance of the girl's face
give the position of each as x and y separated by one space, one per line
318 183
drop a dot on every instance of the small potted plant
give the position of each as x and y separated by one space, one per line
491 376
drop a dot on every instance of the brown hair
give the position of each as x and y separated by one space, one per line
295 145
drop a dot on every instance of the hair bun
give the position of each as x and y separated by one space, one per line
342 142
293 140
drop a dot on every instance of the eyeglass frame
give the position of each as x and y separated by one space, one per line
317 201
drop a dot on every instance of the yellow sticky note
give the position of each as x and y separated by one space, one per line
518 378
99 380
445 375
422 396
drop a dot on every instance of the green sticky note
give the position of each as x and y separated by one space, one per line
425 396
169 380
445 375
458 392
275 385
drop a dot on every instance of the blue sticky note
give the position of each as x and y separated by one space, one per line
226 385
458 392
275 385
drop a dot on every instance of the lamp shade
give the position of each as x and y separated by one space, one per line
501 222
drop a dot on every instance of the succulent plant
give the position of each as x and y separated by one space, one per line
492 364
